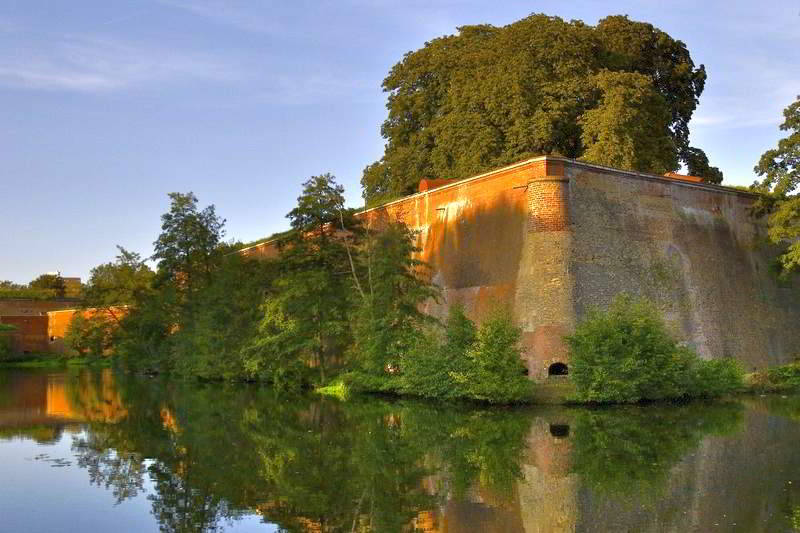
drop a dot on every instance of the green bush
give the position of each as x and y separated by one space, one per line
715 378
626 355
776 379
428 369
494 370
464 362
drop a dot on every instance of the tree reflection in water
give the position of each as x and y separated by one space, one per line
631 449
217 452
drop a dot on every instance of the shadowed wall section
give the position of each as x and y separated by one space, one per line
694 250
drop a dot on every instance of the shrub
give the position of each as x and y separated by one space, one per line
625 355
465 362
715 378
786 376
776 379
429 367
494 370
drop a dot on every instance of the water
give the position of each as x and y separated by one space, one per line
98 451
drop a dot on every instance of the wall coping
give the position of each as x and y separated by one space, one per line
570 162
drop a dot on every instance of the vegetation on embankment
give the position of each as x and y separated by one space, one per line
456 362
785 378
339 309
49 360
26 293
340 313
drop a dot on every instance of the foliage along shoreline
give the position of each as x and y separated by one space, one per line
339 311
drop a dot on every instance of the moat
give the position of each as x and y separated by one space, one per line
88 450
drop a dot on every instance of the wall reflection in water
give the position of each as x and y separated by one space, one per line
214 453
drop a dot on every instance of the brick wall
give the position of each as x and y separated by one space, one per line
31 333
34 307
548 204
45 333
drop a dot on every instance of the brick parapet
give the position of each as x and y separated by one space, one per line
548 204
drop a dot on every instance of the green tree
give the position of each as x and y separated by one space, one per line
629 127
225 319
697 165
145 337
394 286
91 334
631 46
780 169
52 282
188 253
189 242
491 96
430 368
312 293
116 284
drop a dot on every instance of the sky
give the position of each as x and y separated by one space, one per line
108 105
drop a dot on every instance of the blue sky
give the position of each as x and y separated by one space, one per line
108 105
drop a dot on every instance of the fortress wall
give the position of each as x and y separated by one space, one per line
548 238
471 235
497 241
45 333
31 332
24 306
693 250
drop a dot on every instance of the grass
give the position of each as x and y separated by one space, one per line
337 389
54 361
554 391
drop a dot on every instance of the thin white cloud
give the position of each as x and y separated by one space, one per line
753 91
229 12
314 88
90 65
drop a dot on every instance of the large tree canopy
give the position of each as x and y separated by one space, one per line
491 96
780 168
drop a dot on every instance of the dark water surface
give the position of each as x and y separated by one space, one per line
99 451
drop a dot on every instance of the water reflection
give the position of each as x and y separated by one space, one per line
206 456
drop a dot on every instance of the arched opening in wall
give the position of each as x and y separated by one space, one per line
559 431
557 369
